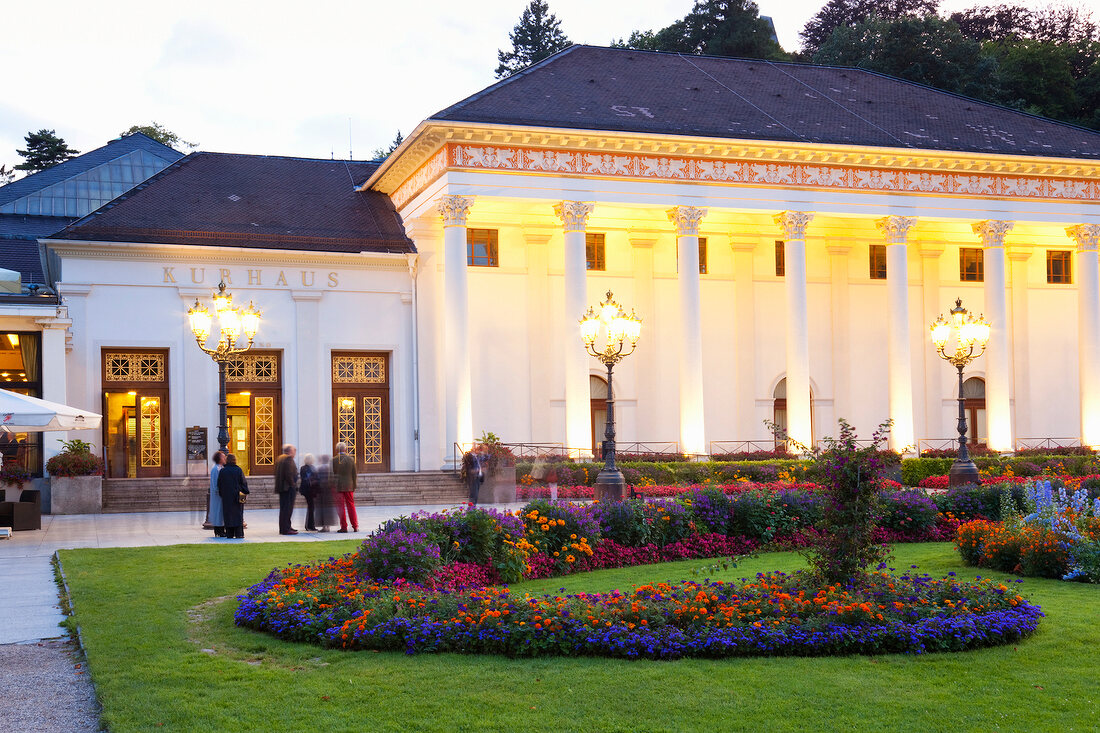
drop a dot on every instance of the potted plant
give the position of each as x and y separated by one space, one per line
12 480
76 479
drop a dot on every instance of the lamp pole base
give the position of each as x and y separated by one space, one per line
610 485
963 473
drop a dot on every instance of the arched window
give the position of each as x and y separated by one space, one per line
598 387
779 409
974 405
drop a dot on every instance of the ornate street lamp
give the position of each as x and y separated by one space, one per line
621 336
971 336
232 322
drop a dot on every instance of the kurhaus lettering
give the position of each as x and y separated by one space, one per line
255 277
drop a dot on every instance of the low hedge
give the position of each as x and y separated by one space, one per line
639 473
914 470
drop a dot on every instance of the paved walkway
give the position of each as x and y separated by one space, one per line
29 608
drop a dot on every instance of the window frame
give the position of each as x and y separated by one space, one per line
978 273
595 244
1066 277
491 245
780 258
876 262
702 255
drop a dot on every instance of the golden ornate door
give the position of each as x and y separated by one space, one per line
361 409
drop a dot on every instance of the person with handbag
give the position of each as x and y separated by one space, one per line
214 513
233 489
344 476
286 486
307 487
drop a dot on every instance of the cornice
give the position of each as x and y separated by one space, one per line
146 252
431 136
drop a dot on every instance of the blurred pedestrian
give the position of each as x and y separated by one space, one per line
476 464
307 487
286 486
344 477
214 513
233 488
325 511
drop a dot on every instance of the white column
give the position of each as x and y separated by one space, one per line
1088 329
900 360
998 372
693 439
459 427
840 297
538 325
793 224
744 320
53 383
935 368
644 362
1018 255
578 396
306 433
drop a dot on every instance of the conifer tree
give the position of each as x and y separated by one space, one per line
537 35
44 150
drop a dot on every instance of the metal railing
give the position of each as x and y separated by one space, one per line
646 449
1047 443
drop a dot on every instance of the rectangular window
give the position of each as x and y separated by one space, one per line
481 248
971 266
594 252
21 372
1059 266
780 259
878 262
702 255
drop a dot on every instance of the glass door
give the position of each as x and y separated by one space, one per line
136 444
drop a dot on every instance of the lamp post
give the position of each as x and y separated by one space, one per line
621 336
232 322
971 335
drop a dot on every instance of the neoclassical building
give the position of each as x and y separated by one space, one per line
786 232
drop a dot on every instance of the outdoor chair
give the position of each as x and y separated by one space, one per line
23 514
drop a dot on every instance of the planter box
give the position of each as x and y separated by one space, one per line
499 486
11 492
76 494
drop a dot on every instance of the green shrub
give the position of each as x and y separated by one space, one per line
915 470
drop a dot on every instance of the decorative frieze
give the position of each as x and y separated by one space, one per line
992 232
686 219
895 228
573 215
1087 236
793 223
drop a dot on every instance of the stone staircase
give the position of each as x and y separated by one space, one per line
191 493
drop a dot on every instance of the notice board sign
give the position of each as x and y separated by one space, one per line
196 444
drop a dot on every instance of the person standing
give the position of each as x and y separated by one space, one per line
476 464
233 488
215 516
286 486
307 487
344 475
324 494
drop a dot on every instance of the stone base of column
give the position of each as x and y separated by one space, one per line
963 473
609 486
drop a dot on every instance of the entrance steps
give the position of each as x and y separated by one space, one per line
190 493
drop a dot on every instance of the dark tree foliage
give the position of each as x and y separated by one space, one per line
844 13
994 22
383 153
1037 77
159 133
927 50
7 175
731 28
44 150
537 35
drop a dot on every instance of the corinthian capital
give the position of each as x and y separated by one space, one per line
453 210
1087 236
793 223
992 232
895 228
573 215
686 219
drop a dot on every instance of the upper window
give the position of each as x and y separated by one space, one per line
594 252
702 255
971 267
481 248
1059 266
877 262
780 259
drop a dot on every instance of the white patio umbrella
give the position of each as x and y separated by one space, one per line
23 414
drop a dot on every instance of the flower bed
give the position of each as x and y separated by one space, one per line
773 614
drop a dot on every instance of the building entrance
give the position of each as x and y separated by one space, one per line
135 413
253 385
361 407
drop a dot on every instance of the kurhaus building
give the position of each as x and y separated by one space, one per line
786 233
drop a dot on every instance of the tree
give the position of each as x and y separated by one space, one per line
44 150
160 134
7 175
1038 77
537 35
927 50
994 22
383 153
731 28
845 13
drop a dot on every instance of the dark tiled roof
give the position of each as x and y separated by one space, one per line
232 200
19 243
593 88
87 161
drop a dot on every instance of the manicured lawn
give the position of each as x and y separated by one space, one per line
164 655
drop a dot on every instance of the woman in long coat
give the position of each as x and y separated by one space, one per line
215 516
231 485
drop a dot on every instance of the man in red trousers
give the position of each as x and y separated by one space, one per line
343 474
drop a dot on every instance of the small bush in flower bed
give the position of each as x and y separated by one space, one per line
398 554
770 615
